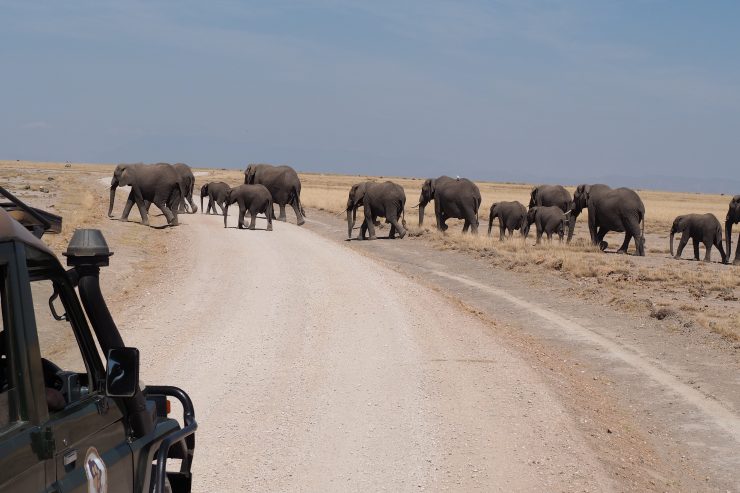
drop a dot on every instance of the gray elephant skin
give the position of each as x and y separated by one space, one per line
557 196
158 184
511 216
700 228
188 181
216 193
548 220
457 198
733 217
282 182
385 199
619 209
253 198
580 202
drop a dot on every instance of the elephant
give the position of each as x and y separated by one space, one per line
284 185
548 220
385 199
150 183
453 198
216 193
511 216
733 217
555 195
704 228
580 202
619 209
253 198
188 181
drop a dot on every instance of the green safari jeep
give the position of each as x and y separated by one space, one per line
69 422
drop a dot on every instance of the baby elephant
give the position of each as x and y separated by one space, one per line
547 220
704 228
253 198
511 216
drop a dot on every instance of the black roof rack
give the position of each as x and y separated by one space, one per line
35 220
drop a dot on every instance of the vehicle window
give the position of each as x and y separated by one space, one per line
8 409
65 374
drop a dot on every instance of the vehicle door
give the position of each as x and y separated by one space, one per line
22 467
91 446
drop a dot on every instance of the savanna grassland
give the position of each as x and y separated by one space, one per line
689 295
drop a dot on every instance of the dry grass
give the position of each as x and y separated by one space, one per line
703 295
698 294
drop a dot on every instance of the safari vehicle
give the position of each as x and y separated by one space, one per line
85 427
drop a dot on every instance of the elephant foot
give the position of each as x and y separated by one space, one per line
269 227
373 237
251 227
282 218
736 261
401 234
301 222
621 251
603 245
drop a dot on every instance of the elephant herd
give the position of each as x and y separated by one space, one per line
170 188
551 209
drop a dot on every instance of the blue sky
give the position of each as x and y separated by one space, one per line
635 92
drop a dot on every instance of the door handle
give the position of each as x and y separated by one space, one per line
70 457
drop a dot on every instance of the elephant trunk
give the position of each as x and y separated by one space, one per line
672 235
421 214
113 187
201 204
728 235
351 218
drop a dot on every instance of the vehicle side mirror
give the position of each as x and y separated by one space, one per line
122 372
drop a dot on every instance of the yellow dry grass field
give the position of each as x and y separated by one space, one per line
657 284
693 294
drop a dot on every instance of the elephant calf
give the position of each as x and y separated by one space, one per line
511 216
547 220
253 198
216 192
701 228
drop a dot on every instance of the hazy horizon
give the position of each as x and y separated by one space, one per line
641 94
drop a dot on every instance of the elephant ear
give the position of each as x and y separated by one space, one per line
125 177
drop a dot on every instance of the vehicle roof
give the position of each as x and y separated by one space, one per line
12 230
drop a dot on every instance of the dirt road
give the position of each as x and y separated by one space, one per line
313 368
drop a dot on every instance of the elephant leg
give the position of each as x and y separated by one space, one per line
392 234
442 223
737 252
168 213
718 244
466 226
501 230
539 236
696 248
370 223
394 224
127 208
363 230
600 234
242 213
298 216
708 251
282 217
253 219
682 245
626 242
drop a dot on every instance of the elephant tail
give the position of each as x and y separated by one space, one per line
295 198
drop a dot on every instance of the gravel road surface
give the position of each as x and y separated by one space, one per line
314 368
